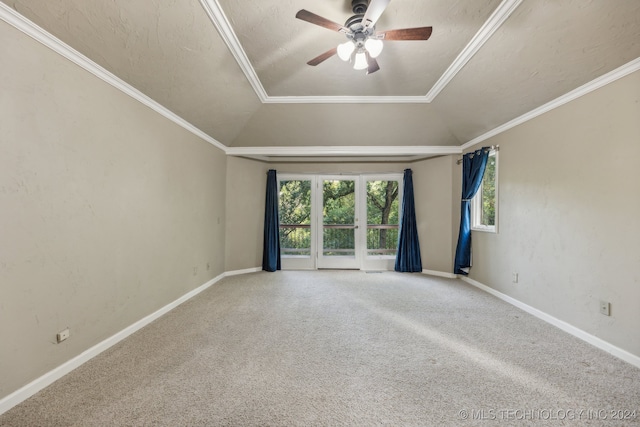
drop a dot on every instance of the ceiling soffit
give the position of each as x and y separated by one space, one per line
364 125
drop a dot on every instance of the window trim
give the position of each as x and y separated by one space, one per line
476 206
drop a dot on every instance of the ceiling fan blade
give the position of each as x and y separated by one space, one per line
374 11
305 15
421 33
373 64
320 58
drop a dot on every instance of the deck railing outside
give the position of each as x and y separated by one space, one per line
295 239
338 239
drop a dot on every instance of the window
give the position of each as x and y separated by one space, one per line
484 205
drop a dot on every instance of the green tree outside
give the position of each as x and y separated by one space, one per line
489 193
338 209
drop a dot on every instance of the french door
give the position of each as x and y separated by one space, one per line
338 217
339 221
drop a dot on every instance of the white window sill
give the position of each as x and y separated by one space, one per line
493 230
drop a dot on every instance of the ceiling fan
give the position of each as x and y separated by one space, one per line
364 44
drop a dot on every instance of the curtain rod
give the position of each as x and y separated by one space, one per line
493 147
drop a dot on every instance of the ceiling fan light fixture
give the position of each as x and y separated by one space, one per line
360 62
374 47
345 50
364 44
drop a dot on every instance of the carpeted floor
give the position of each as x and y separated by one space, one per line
342 348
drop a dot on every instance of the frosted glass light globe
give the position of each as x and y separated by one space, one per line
374 47
345 50
360 62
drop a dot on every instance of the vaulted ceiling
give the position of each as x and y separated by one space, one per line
237 71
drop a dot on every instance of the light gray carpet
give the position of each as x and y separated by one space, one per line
341 348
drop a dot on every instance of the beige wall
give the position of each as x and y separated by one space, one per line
433 180
109 211
246 186
569 213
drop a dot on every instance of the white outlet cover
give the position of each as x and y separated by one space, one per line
63 335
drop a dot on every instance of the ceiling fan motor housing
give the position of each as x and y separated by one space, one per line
359 7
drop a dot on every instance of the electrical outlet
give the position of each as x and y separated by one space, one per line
515 278
195 271
63 335
605 308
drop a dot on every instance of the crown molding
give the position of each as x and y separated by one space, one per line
342 159
355 151
345 100
220 21
24 25
610 77
495 21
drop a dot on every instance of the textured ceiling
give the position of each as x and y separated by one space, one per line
251 86
279 46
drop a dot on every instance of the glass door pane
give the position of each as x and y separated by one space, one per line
382 217
339 224
295 223
383 194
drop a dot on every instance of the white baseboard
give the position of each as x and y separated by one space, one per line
244 271
579 333
440 274
47 379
